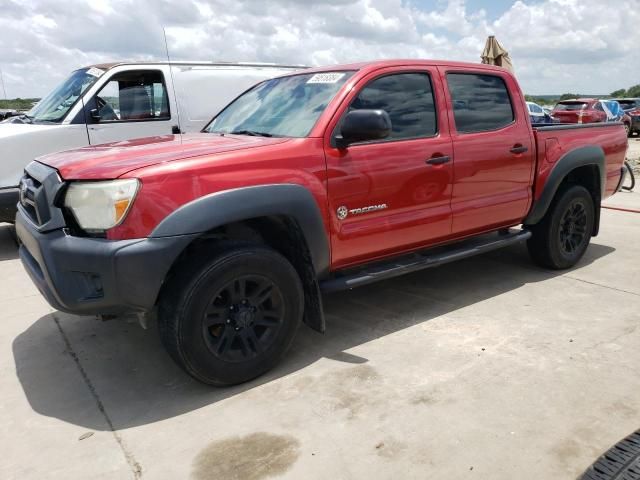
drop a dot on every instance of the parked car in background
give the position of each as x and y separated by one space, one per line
120 101
580 110
615 113
319 180
537 114
6 113
631 107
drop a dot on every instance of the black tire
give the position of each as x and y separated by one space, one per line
630 185
214 335
561 238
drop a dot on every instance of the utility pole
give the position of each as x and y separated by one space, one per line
4 90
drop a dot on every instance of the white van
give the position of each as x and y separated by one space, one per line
120 101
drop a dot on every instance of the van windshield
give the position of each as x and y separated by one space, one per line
280 107
54 107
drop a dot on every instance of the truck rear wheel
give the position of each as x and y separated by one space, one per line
561 238
230 318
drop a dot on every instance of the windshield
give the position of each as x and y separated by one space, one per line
55 106
571 106
280 107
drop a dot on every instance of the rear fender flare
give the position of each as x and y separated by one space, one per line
235 205
588 155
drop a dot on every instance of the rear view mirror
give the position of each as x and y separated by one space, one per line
363 125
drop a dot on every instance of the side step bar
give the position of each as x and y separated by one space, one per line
421 260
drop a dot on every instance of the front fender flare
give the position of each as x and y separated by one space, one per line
228 206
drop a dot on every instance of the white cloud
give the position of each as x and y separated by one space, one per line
587 46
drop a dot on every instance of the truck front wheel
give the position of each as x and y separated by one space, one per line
229 318
561 238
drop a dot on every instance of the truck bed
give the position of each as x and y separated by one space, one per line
554 141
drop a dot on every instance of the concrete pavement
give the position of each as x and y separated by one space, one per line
487 368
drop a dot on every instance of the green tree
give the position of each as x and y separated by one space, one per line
619 93
634 91
568 96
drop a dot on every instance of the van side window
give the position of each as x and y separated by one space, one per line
407 98
480 102
133 96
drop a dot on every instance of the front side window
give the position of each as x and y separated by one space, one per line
407 98
280 107
480 102
131 96
54 107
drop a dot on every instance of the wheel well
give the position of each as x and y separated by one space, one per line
281 233
587 176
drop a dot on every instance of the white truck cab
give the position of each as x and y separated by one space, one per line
120 101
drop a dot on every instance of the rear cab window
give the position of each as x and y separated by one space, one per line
481 102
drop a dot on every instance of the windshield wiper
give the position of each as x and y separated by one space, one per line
253 133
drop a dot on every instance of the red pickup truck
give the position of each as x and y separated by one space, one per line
317 181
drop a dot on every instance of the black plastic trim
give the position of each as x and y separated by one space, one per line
421 260
588 155
574 126
221 208
96 276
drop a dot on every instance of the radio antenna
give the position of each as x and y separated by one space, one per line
173 83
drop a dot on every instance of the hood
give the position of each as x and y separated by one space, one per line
14 129
112 160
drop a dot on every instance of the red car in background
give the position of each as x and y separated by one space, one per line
591 110
580 110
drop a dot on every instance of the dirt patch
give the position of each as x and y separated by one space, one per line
252 457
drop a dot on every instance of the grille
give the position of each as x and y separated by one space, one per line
38 189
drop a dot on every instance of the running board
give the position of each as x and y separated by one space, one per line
418 261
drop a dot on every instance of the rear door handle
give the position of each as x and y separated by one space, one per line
518 149
437 160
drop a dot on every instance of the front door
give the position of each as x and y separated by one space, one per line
495 157
392 195
132 104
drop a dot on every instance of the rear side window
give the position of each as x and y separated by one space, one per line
480 102
407 98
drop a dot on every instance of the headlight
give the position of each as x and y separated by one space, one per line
98 206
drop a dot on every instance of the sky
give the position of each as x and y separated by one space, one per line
557 46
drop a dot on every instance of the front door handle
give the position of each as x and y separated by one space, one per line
518 149
437 160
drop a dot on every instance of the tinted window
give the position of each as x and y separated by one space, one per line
407 98
480 102
598 106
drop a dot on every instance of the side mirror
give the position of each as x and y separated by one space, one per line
363 125
95 114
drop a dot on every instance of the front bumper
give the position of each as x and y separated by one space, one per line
82 275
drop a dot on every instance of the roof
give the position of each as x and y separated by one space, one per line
377 64
109 65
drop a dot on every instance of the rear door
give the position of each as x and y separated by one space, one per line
392 195
130 104
492 144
